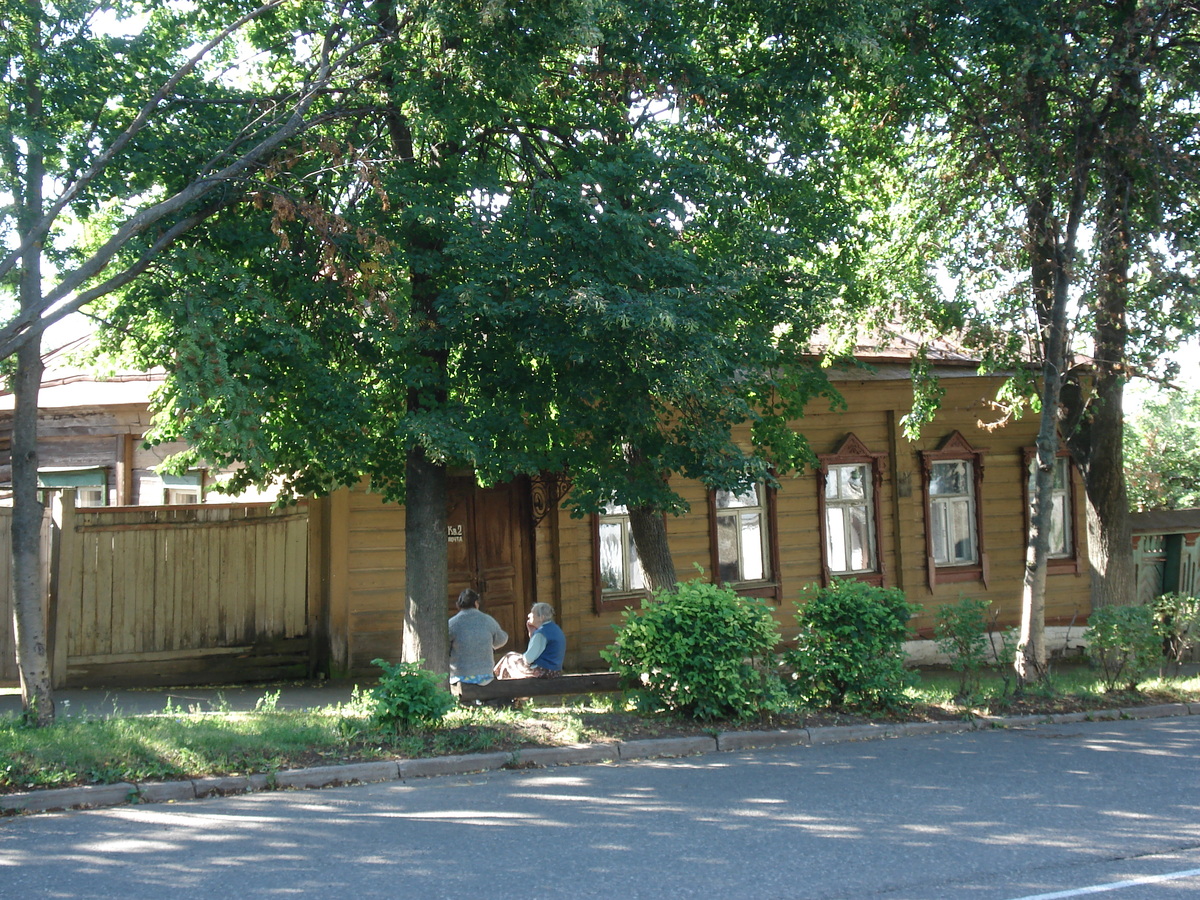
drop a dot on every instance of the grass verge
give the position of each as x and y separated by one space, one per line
177 744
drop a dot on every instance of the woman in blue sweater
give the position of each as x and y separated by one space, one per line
547 646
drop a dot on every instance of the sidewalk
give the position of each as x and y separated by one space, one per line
306 695
106 702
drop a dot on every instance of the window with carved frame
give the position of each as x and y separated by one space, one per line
849 481
954 536
1064 538
743 542
618 579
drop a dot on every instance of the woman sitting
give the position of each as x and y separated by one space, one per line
547 646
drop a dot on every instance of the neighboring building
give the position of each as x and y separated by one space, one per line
90 437
1166 552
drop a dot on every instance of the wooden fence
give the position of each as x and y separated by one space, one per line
178 594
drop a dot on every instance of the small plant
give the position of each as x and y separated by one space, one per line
268 702
1177 619
849 650
408 697
1003 645
1123 643
960 631
704 652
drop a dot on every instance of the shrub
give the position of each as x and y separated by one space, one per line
848 652
1177 620
960 631
407 697
704 652
1123 643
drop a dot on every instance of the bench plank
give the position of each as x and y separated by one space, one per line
509 688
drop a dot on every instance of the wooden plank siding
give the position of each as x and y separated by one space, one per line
875 407
9 673
182 595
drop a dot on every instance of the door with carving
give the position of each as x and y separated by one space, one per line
489 531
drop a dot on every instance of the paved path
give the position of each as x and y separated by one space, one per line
991 815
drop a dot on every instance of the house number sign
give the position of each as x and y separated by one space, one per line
454 534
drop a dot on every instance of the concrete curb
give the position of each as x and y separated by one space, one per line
105 795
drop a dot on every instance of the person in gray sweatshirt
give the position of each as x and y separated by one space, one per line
474 638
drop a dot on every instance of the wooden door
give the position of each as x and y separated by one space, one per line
489 535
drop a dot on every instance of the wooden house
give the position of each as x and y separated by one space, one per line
942 517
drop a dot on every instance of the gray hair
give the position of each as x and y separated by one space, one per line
543 611
468 599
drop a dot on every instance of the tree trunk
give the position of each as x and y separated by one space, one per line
29 599
1110 535
425 567
649 531
1047 283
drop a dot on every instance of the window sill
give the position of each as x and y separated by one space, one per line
958 574
618 601
875 579
1064 565
763 590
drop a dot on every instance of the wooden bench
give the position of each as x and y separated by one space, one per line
512 688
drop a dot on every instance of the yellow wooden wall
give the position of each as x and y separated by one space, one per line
875 406
362 577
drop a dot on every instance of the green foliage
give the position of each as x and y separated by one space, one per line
1177 620
960 631
1162 452
1123 642
702 651
848 652
408 697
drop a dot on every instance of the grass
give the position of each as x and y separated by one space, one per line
182 744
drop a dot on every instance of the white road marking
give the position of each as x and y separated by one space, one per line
1114 886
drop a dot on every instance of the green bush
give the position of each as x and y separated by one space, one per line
1177 619
960 631
407 697
1123 643
703 652
848 652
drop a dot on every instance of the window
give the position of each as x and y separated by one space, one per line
741 536
1062 556
849 541
952 513
848 485
953 521
181 496
182 490
90 484
620 569
743 549
91 496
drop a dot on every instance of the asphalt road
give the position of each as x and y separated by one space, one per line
1107 808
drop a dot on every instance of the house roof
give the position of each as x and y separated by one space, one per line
66 384
1166 521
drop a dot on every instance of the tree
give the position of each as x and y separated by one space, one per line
116 144
1030 118
1162 463
577 238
